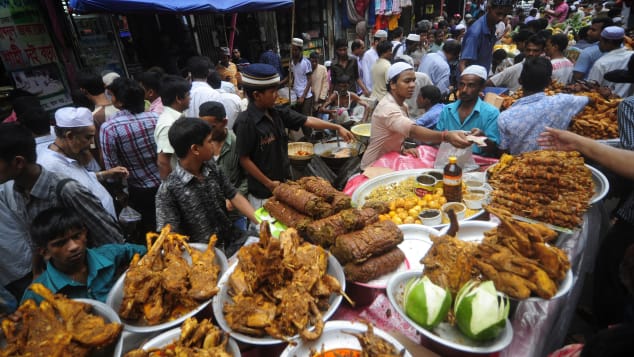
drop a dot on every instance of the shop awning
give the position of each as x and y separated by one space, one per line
175 6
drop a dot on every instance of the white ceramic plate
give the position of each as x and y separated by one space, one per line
172 335
358 197
116 296
334 269
416 243
444 334
337 335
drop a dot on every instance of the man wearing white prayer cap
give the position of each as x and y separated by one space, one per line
472 114
70 154
391 123
302 73
615 56
370 57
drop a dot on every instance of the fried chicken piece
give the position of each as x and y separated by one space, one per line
552 260
203 275
175 275
374 346
449 262
510 284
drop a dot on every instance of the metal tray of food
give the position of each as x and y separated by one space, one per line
337 335
223 297
359 195
116 296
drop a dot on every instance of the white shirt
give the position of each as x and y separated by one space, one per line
369 59
562 70
233 106
421 80
509 78
615 59
67 167
300 79
200 93
42 142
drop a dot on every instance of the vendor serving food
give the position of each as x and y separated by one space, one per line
391 123
260 130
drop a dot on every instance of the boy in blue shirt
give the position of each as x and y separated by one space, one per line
72 269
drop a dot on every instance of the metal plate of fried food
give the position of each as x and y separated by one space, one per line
172 335
223 297
444 334
337 335
365 189
473 231
116 296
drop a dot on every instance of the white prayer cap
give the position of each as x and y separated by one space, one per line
613 33
406 58
476 71
380 34
108 78
297 42
71 117
396 69
460 27
413 37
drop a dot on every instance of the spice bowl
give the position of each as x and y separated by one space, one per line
458 208
474 199
430 217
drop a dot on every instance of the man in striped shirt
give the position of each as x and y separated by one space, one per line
127 140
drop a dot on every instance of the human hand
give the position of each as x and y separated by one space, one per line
555 139
476 132
272 185
229 205
458 138
411 152
300 100
117 172
345 134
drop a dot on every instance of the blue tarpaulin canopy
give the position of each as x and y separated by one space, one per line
175 6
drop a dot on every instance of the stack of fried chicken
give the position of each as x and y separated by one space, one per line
58 327
197 339
163 285
513 255
280 287
549 186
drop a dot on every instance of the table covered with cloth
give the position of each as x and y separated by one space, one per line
539 326
396 161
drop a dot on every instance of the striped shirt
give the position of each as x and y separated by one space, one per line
128 140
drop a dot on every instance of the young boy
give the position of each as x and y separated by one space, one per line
192 197
72 269
262 141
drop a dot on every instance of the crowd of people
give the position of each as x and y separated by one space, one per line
203 150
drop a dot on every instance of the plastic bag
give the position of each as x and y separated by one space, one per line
464 156
130 221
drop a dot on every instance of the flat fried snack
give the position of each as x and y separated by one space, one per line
549 186
598 121
197 339
449 262
322 188
163 285
514 255
325 231
58 327
287 214
372 240
301 200
280 287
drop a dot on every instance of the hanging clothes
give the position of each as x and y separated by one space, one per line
396 7
379 7
371 13
392 21
353 15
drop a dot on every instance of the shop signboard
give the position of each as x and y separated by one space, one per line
28 54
